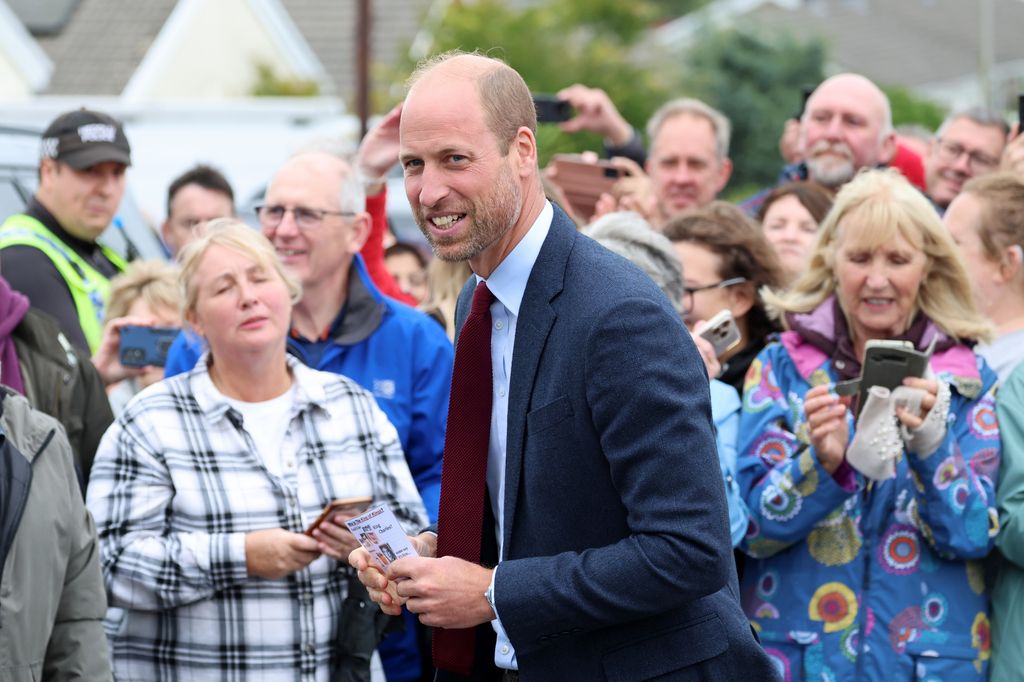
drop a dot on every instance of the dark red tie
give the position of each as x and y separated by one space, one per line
464 469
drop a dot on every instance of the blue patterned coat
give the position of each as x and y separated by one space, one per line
854 580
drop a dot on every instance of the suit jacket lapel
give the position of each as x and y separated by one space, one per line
536 317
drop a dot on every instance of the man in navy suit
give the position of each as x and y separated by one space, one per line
609 551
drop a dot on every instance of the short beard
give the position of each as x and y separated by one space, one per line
493 215
830 172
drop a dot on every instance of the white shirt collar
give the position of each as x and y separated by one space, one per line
508 281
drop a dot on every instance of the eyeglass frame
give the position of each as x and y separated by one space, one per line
978 161
688 292
319 213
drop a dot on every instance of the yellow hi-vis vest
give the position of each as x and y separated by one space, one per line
89 289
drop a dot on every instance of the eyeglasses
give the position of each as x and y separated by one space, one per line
978 161
305 218
688 292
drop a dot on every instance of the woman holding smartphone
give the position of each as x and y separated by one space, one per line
866 535
202 488
726 262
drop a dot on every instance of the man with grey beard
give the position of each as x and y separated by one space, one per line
846 126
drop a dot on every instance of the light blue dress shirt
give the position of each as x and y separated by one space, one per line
508 284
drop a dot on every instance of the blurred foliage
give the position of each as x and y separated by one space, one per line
595 42
271 84
758 82
908 108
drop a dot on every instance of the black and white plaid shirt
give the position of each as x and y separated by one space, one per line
176 485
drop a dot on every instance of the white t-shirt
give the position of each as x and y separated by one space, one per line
267 423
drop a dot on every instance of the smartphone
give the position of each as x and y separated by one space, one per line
146 346
721 332
550 109
583 182
887 363
349 505
1020 113
805 94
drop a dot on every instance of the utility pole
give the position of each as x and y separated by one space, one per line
986 54
364 24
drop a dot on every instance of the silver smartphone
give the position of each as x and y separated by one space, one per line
721 332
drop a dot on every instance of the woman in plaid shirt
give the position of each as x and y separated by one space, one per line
202 488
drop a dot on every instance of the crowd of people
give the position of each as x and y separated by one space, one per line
621 496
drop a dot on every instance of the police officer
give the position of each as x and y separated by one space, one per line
50 252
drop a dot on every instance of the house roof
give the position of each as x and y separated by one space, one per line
329 27
104 41
102 44
906 42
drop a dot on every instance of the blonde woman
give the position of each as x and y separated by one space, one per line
147 290
204 485
865 541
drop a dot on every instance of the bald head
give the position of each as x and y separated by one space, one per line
329 175
846 126
502 93
470 158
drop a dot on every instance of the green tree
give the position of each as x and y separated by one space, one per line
595 42
758 82
908 108
271 84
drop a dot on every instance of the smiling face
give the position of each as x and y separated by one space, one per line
466 189
792 231
876 284
83 201
948 163
319 256
241 305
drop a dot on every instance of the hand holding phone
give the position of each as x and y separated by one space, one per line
349 505
583 182
145 346
721 332
552 109
887 363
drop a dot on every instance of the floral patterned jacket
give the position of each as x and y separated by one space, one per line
860 580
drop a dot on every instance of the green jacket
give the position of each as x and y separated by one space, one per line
52 599
1008 594
61 381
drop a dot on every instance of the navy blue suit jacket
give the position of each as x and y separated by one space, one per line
618 563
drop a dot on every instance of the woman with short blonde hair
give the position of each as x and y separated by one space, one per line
204 489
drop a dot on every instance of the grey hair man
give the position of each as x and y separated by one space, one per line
846 126
968 144
689 158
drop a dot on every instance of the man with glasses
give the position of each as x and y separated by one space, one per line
968 144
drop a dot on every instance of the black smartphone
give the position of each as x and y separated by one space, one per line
887 363
146 346
550 109
805 94
1020 113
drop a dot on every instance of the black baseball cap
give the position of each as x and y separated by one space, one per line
84 138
